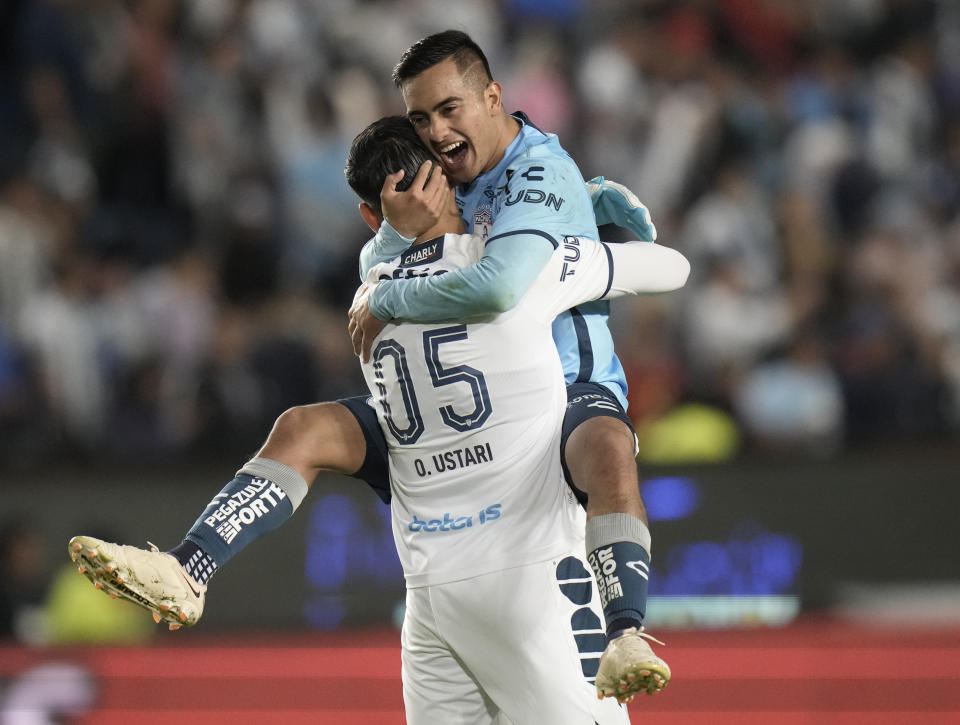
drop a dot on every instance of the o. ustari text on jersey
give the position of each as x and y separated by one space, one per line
454 459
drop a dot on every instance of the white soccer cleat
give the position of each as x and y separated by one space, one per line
152 579
628 666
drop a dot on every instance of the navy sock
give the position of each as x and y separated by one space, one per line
263 495
621 570
621 566
247 508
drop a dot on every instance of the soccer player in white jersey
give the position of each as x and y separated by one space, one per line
482 517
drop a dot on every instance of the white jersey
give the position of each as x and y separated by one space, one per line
472 414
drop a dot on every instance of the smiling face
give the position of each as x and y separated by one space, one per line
458 116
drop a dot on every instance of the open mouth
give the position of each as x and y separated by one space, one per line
453 154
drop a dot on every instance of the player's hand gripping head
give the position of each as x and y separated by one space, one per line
386 159
453 102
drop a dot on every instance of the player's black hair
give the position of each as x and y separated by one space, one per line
436 48
382 148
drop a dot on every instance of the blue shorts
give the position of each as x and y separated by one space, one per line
375 469
584 401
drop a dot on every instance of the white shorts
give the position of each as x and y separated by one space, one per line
515 647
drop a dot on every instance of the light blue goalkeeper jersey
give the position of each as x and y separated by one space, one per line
523 207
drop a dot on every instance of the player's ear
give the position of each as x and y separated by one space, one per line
371 217
493 96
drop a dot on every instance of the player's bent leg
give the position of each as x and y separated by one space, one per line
263 495
437 688
599 448
315 438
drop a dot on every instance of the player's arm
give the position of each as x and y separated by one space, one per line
644 268
588 270
494 284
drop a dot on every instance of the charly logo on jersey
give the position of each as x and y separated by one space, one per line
423 253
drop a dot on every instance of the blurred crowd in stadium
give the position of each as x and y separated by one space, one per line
178 245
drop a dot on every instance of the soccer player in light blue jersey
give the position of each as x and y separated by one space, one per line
519 189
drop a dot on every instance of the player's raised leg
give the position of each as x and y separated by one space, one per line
262 495
600 457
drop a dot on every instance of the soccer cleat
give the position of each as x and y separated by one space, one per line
628 666
152 579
